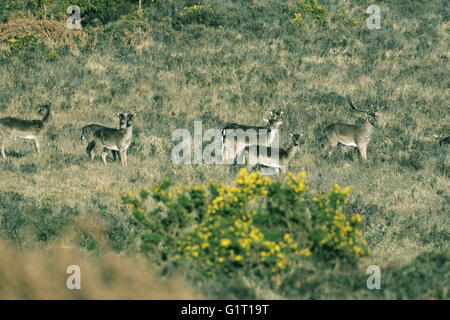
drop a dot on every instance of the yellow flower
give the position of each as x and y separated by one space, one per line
305 252
238 258
205 245
225 242
220 259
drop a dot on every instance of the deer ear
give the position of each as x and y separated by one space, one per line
291 134
134 114
265 120
118 115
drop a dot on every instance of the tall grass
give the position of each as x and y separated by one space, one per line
220 65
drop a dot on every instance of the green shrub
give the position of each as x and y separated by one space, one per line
259 226
318 13
198 14
29 46
93 12
28 42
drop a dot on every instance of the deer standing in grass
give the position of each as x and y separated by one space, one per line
353 135
253 154
87 133
26 129
234 130
114 139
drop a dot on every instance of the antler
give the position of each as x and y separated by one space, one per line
350 102
378 107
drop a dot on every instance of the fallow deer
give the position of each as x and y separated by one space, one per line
353 135
114 139
11 127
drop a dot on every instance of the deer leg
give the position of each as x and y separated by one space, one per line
122 158
125 156
330 150
332 143
89 148
105 150
104 153
4 142
114 153
362 151
36 144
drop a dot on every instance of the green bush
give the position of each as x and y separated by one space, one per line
198 14
93 12
29 46
318 13
259 226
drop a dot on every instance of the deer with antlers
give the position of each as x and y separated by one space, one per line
354 135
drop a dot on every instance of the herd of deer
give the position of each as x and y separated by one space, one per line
119 140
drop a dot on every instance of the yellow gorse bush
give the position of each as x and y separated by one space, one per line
258 225
228 237
298 20
334 231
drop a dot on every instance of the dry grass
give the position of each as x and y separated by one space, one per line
173 77
41 274
52 33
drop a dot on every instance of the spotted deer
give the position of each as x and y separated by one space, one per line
277 158
114 139
234 135
87 133
11 127
353 135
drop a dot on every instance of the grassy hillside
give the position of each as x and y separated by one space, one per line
174 65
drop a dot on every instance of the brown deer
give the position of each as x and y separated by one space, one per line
26 129
267 158
353 135
87 133
240 132
114 139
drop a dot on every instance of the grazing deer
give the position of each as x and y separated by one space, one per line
266 157
235 130
26 129
353 135
114 139
87 133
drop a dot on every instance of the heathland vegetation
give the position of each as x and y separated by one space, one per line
156 229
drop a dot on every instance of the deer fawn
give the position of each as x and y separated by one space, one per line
87 133
27 129
353 135
235 130
114 139
263 158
